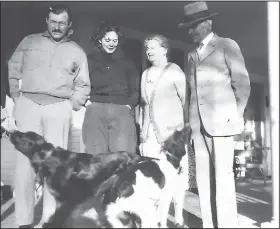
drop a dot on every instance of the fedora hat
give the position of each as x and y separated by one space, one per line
194 13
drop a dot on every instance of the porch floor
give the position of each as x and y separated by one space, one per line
254 207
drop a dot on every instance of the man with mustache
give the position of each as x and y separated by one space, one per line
220 89
55 80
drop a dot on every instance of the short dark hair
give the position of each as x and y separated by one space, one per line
58 9
104 27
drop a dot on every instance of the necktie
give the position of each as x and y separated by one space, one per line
200 46
198 51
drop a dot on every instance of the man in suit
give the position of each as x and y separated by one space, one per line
220 89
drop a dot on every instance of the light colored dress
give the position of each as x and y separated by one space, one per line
151 148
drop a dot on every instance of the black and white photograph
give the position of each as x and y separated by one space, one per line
139 114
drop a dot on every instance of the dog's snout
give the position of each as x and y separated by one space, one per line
8 134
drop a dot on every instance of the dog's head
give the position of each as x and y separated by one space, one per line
32 145
174 146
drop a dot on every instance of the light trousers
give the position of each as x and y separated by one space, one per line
53 123
215 180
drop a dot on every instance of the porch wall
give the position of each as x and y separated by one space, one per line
85 25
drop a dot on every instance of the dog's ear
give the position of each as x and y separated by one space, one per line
177 139
174 146
36 138
40 153
85 172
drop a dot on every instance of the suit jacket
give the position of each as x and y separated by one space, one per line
220 88
166 108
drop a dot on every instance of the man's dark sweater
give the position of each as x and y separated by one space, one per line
114 79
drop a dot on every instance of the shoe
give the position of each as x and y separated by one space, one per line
207 226
177 225
26 226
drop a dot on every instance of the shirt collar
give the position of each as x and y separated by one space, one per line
206 40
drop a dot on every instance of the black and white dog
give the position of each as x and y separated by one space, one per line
72 178
147 188
121 190
139 196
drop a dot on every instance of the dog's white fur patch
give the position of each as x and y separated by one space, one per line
143 207
91 214
148 201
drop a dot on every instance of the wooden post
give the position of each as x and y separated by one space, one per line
273 62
